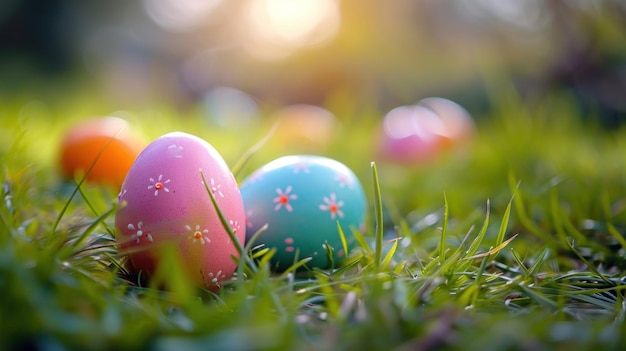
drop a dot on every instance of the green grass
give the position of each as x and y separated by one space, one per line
515 243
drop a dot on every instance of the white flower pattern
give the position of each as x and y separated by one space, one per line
158 184
197 235
216 188
175 151
214 277
139 232
234 225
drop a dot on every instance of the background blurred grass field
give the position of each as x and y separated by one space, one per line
544 83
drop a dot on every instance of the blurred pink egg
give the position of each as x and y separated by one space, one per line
458 122
166 205
412 134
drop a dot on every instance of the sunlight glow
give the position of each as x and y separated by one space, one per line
284 25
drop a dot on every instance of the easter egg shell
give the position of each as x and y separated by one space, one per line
165 202
301 199
458 122
107 141
411 135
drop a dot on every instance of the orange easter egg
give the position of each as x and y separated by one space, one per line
107 143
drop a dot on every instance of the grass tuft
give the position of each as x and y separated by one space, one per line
527 251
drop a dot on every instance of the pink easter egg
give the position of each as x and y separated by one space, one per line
411 135
165 204
457 120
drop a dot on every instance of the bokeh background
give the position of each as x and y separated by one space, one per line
346 55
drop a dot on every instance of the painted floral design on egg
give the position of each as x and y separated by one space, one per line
175 151
234 226
215 188
215 278
164 191
302 208
301 167
198 235
248 221
283 199
343 179
159 184
139 233
332 205
288 244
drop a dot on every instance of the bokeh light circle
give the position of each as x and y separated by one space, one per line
277 27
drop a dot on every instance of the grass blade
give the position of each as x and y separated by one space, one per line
80 183
589 265
342 236
296 265
255 236
481 235
93 210
240 249
494 250
236 169
539 261
378 203
505 222
520 262
522 215
93 226
390 253
538 297
358 236
444 232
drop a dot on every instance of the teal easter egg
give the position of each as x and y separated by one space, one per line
303 199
